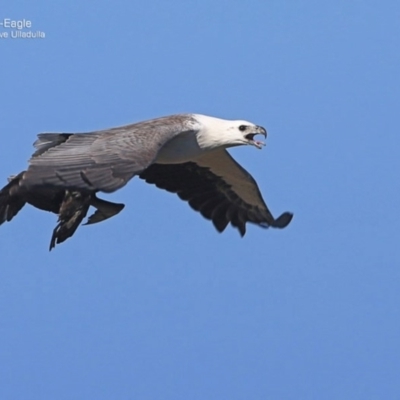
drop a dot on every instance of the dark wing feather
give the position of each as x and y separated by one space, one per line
105 210
223 202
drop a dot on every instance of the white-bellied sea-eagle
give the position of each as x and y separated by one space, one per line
183 154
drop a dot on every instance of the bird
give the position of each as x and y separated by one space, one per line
184 154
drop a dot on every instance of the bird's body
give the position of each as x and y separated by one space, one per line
184 154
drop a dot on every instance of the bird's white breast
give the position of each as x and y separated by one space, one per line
180 149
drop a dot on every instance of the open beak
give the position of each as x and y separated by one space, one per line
259 130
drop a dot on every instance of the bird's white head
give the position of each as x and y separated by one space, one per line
216 133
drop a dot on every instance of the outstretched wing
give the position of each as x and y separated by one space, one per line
102 160
219 188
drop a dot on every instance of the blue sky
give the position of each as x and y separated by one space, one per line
154 303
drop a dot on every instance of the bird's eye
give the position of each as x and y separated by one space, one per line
242 128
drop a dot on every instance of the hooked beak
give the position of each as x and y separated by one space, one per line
259 130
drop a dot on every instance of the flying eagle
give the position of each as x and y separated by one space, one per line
183 154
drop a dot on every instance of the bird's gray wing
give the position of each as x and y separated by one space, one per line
102 160
46 141
219 188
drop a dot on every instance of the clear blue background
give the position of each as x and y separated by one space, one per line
154 303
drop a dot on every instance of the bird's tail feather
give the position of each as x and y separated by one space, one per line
11 200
